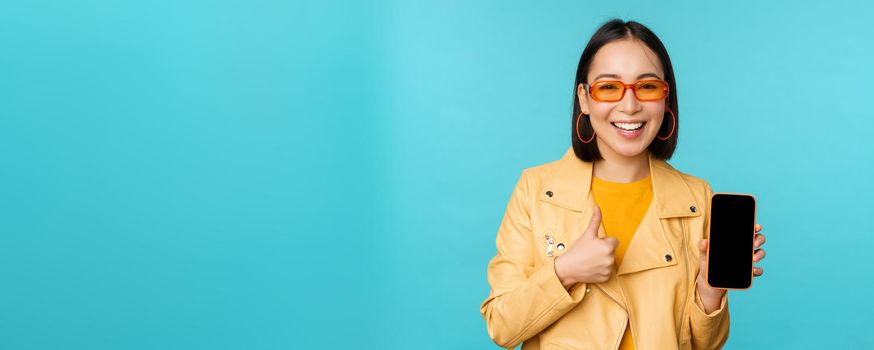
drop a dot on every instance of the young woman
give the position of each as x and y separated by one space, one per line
605 248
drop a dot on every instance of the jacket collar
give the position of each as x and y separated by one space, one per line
569 187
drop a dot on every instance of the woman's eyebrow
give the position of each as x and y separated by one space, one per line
615 76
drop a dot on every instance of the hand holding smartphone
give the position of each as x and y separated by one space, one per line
732 220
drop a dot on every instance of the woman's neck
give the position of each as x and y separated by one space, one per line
618 168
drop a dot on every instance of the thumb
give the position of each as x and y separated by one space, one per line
592 231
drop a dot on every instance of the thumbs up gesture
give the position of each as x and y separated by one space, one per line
589 259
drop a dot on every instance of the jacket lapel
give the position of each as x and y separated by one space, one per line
651 246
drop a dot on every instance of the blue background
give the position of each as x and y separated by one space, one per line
266 174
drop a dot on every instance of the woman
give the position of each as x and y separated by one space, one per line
567 274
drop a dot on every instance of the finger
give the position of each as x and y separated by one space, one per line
702 245
594 223
758 271
760 239
758 227
612 242
759 255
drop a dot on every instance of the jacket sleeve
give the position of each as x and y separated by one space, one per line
523 299
709 331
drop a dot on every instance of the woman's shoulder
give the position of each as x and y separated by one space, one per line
534 178
689 178
694 182
699 187
542 171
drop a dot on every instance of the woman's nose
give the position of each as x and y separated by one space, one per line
629 103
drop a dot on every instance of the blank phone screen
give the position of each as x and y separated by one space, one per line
732 232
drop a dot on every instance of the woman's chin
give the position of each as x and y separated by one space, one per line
628 149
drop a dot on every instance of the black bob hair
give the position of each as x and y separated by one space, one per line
613 30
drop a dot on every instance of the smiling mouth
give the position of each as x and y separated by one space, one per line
628 126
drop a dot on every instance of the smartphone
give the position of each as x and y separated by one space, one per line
732 219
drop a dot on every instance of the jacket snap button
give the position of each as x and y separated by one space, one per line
693 209
560 246
588 290
668 258
549 193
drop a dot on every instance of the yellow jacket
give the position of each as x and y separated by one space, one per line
653 289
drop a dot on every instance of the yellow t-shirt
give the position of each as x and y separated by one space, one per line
622 207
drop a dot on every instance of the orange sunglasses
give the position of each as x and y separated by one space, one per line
614 90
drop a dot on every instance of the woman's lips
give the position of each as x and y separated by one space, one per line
629 134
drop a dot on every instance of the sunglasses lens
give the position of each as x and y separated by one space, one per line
651 90
608 91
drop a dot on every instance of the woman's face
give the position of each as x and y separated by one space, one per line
627 60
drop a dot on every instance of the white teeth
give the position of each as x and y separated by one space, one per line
628 126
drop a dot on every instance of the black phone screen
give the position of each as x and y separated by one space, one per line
732 232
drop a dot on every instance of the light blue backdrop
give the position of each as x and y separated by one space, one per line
266 174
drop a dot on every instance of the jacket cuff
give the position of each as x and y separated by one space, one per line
552 289
556 289
699 312
709 331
